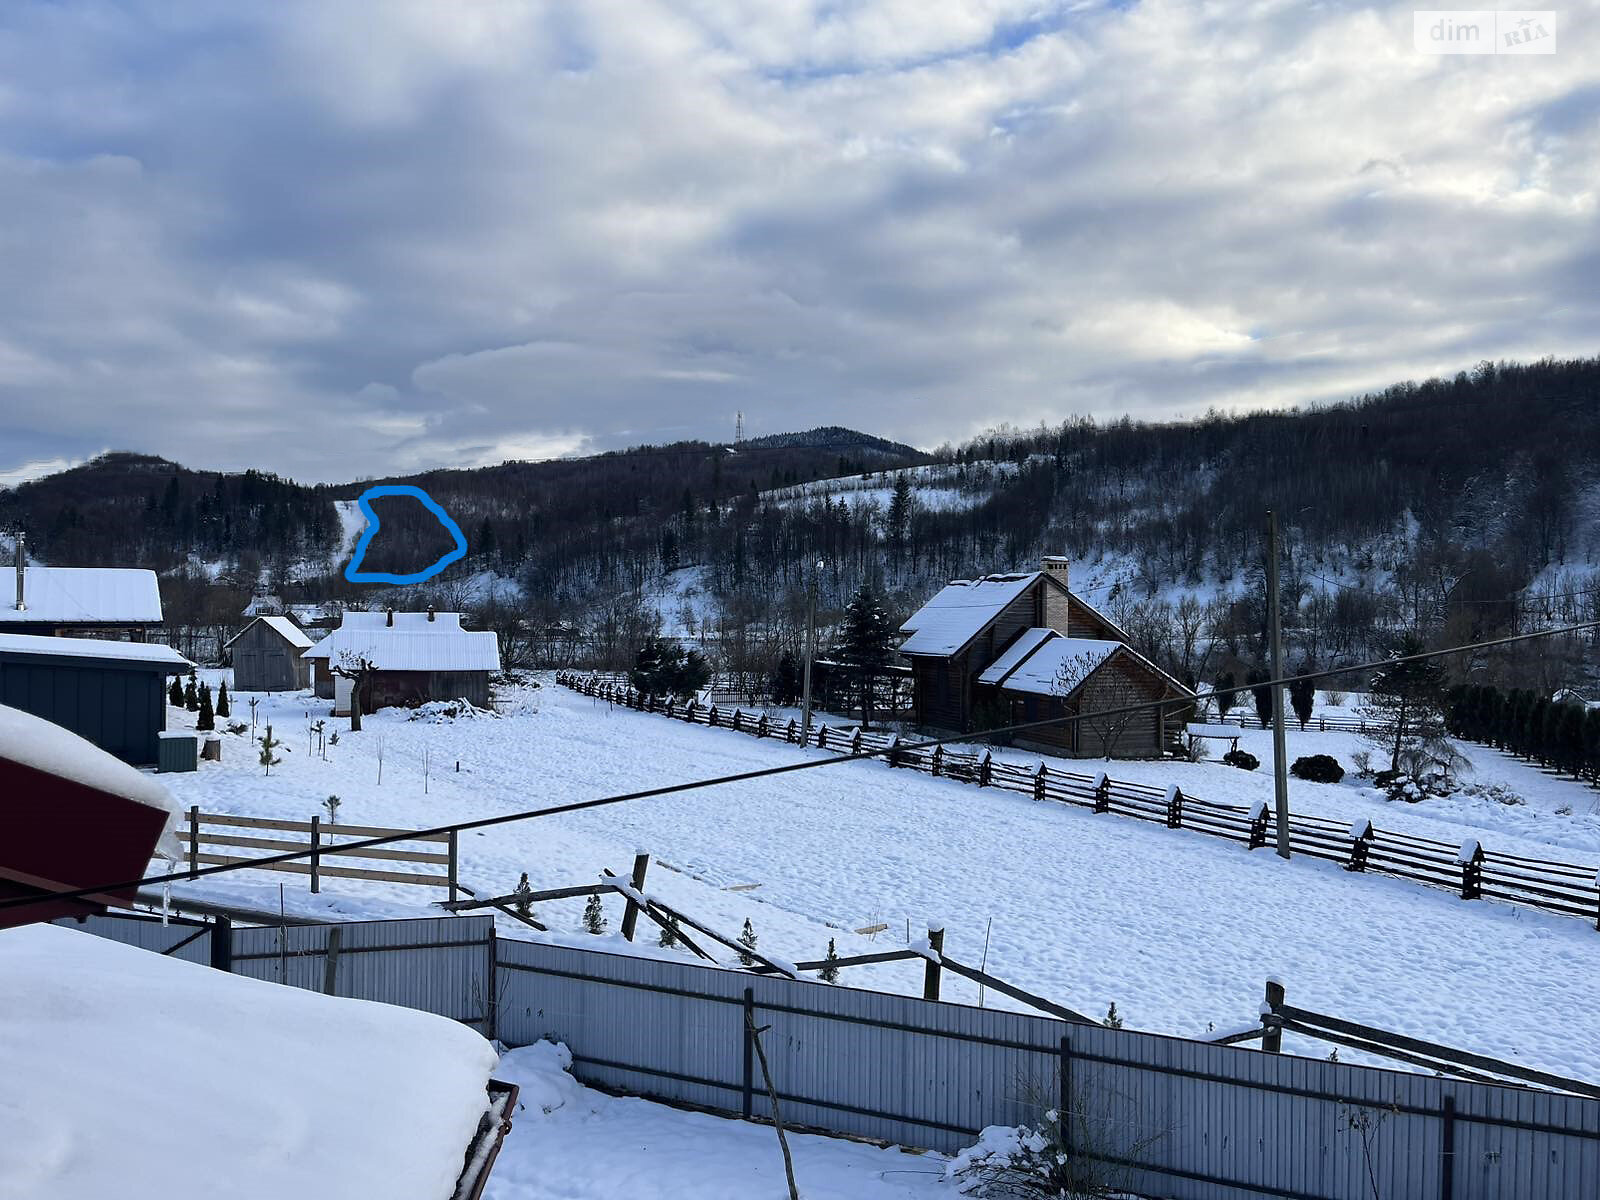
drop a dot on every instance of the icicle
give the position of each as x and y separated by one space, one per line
166 903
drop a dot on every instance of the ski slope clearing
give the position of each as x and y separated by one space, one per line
1178 929
570 1142
132 1075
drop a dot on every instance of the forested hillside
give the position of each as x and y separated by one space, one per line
1451 507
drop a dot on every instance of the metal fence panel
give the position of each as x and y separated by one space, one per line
193 938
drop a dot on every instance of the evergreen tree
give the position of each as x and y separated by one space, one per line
647 676
670 931
1113 1017
1404 704
1262 695
175 693
1303 695
830 972
669 549
206 719
223 709
594 917
747 943
899 516
1223 691
191 695
1591 743
866 644
785 684
268 759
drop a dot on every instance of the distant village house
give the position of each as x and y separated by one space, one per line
411 658
268 656
1023 647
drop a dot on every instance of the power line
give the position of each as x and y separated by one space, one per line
768 772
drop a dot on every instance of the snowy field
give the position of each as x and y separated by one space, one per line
570 1142
1178 929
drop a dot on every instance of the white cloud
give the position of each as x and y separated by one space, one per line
355 246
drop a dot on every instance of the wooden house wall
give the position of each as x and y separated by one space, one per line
1120 682
264 662
120 710
388 689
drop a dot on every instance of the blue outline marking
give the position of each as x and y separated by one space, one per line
353 572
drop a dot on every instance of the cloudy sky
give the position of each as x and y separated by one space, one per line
333 239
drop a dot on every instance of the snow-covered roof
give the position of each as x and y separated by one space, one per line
1057 665
379 1101
959 611
450 648
85 596
404 622
261 606
1200 729
124 652
46 746
1027 642
283 627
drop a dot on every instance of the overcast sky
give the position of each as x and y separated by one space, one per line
339 239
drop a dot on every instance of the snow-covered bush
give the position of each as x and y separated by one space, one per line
1317 768
1037 1162
440 711
594 917
1242 759
747 940
1498 792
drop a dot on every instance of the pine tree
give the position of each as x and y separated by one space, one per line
785 683
206 719
191 695
521 897
1303 695
175 693
268 744
747 942
866 644
594 917
1262 695
223 710
830 972
899 517
1404 704
1223 691
1113 1017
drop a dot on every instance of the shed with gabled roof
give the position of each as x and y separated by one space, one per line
267 656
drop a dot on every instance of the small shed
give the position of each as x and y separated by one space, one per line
111 693
268 656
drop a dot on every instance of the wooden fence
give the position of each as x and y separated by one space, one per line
323 839
1321 723
1469 869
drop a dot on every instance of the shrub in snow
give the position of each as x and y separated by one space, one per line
191 695
1242 759
747 940
670 931
268 745
1317 768
1499 793
439 711
830 972
1113 1017
1363 762
522 897
1040 1162
222 700
594 917
175 693
207 718
238 727
332 805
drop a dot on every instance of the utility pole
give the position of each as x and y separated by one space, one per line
1280 763
811 652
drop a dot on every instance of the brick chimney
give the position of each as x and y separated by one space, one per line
1056 566
390 621
22 566
430 612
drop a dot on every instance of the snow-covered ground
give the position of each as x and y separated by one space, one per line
1180 930
570 1142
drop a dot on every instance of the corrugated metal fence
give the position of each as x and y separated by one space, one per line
1203 1122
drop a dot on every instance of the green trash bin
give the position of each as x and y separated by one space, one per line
178 751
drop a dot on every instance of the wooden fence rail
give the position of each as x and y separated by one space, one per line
216 830
1470 870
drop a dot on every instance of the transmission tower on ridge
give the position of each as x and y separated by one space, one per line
738 429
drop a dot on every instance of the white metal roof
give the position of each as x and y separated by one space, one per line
83 596
1057 665
1027 642
404 622
141 652
959 611
283 627
403 649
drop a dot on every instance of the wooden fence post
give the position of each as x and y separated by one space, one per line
630 914
749 1051
738 717
1038 782
1360 843
1447 1150
452 866
938 761
194 839
1258 824
985 770
330 962
222 944
855 743
1470 856
1102 793
690 712
930 972
1272 1040
788 734
1174 807
762 728
316 855
822 737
